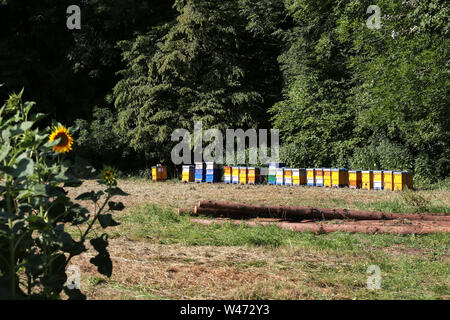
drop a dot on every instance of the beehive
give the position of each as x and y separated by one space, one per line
367 180
213 173
355 179
339 178
280 176
159 173
235 176
254 175
327 178
200 172
228 174
388 180
272 179
400 180
288 177
188 173
410 180
302 176
296 177
310 177
378 180
243 175
319 177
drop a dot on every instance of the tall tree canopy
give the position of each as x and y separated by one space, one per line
204 66
341 93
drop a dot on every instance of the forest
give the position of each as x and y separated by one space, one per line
341 93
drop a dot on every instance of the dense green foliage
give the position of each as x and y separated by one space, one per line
340 93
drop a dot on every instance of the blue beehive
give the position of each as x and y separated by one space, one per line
213 173
200 172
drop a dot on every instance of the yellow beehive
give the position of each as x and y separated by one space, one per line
188 174
327 178
235 176
378 180
311 177
296 177
159 173
388 177
367 180
339 178
243 175
355 179
400 180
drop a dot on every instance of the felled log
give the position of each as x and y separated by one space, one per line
320 228
301 213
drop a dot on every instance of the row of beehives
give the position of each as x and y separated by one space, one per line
278 174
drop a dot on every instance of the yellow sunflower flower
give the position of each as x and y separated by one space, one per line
109 176
65 144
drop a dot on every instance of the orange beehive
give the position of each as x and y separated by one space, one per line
253 175
228 174
319 177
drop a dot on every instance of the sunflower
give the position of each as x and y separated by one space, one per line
65 144
108 175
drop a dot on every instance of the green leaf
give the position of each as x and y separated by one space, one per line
106 220
103 263
37 223
116 206
38 116
100 243
4 150
117 192
24 168
92 195
74 294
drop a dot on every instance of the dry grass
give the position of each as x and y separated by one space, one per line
177 195
317 269
153 271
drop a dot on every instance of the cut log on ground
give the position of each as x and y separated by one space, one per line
245 211
370 227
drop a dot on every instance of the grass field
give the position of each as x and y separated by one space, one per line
159 255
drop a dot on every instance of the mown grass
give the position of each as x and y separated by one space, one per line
281 264
413 267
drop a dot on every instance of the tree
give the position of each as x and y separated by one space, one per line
205 66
